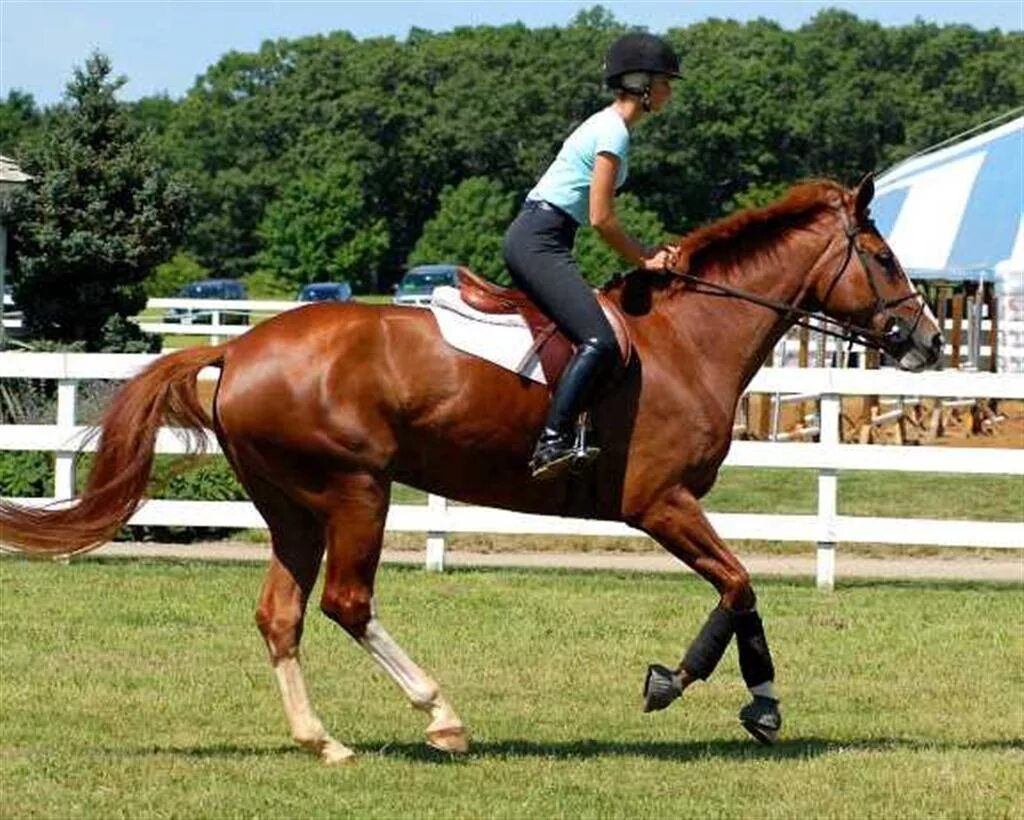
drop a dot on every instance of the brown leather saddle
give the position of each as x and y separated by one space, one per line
550 345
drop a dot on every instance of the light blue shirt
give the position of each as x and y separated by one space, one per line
566 182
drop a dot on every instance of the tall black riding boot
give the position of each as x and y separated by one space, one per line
555 451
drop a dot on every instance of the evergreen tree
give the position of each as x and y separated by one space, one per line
100 214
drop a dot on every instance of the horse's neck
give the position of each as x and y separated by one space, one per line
733 337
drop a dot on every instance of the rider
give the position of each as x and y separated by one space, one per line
578 188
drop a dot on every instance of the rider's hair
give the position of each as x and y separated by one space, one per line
634 82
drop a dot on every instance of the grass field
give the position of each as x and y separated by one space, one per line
141 690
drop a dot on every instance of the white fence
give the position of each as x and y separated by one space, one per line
827 457
207 317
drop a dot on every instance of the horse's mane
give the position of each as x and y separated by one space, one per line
738 238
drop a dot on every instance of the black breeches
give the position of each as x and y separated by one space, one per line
538 254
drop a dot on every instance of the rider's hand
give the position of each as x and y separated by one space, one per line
659 260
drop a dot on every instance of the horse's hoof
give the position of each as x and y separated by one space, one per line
333 753
452 739
762 718
661 687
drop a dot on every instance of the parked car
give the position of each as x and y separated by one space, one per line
209 289
325 292
419 282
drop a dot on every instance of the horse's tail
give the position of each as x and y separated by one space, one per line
164 391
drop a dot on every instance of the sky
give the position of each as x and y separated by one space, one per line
163 46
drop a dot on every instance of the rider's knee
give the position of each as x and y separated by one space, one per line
603 345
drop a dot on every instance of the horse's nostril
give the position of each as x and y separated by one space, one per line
937 342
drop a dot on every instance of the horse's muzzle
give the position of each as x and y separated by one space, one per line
917 353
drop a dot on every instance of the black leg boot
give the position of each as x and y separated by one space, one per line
556 448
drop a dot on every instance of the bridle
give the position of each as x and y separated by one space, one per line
895 339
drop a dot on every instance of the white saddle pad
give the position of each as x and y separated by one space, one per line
503 339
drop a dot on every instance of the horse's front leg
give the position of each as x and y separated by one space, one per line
678 523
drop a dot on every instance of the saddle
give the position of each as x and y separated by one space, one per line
550 345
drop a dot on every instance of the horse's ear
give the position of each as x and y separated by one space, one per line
864 194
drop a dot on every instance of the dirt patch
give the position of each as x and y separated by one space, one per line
1002 568
983 424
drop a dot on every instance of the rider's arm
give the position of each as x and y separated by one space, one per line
606 223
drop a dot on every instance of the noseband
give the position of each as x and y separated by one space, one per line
894 339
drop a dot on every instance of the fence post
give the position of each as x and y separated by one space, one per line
828 421
64 463
437 540
215 322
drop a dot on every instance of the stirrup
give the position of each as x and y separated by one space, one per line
582 455
560 455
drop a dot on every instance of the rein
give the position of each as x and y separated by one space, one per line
897 333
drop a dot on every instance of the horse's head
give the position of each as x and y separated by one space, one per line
868 287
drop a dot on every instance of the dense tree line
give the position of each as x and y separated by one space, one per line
328 156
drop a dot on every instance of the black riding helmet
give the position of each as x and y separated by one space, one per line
639 51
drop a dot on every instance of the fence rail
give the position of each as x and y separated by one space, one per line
828 457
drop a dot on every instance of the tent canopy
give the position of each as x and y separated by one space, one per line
958 213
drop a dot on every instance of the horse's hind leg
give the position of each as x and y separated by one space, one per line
298 544
354 534
679 524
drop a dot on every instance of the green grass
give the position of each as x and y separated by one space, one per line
781 491
141 690
897 495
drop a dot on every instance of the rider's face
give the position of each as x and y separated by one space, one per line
661 92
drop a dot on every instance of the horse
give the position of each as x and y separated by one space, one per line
319 410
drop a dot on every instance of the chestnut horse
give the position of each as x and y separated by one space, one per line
320 409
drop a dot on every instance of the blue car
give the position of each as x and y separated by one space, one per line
325 292
209 289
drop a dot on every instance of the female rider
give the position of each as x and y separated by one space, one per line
578 188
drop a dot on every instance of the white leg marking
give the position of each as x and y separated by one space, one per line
307 730
446 731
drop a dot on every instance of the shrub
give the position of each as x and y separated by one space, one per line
26 474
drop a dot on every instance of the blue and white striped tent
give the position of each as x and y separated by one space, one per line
958 213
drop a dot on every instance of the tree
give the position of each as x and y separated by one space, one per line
320 230
228 138
468 228
152 113
100 214
18 118
170 277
